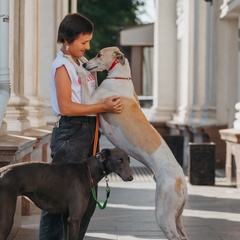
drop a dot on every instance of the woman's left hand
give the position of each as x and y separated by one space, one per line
113 104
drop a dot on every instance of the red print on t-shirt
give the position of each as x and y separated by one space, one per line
90 77
79 81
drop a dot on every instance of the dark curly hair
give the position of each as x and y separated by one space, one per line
72 25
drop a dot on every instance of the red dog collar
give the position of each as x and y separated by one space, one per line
113 65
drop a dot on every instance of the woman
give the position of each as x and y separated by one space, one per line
71 88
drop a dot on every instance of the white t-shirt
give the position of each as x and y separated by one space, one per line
75 80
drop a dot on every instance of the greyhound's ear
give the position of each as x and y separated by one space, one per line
104 154
120 57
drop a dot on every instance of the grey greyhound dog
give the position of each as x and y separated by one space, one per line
58 187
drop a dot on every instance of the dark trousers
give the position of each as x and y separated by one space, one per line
72 141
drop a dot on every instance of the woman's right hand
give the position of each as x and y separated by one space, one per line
113 104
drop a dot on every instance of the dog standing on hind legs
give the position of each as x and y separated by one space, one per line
132 132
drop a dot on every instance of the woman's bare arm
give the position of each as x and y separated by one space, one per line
69 108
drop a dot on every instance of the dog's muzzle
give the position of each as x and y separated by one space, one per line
86 67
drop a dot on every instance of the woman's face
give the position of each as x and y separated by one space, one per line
78 47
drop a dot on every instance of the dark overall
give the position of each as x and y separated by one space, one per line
72 141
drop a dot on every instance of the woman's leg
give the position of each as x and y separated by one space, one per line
72 141
50 226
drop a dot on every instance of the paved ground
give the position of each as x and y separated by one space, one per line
212 213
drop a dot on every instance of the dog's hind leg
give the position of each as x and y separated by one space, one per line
167 207
180 227
167 225
8 207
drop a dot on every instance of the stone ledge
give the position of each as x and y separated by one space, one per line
232 138
14 147
42 134
230 135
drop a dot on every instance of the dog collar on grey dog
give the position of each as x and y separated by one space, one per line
100 163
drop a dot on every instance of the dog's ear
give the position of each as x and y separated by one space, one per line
119 56
104 154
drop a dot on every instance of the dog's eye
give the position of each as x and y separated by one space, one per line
119 160
99 55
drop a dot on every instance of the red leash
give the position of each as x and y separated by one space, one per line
95 144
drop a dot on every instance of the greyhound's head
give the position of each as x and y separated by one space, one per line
105 59
116 160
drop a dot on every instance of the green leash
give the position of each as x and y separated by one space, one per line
107 195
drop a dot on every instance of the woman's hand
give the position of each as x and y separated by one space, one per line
113 104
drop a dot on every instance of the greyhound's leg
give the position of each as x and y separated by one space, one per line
77 208
8 208
180 227
165 212
6 224
73 223
87 216
167 225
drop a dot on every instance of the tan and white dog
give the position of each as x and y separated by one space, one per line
131 131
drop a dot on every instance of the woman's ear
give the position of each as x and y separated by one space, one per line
66 45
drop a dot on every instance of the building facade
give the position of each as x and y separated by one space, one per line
196 84
196 69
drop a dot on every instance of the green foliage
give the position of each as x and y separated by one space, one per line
108 17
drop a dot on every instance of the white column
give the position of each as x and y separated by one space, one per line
236 123
73 6
196 90
201 108
226 61
229 64
49 18
51 14
183 58
63 4
164 70
31 63
33 31
4 61
190 74
16 114
42 19
208 109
